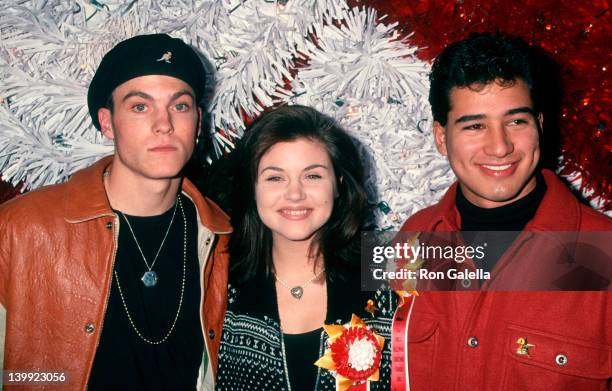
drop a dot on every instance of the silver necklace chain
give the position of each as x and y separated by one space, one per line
162 242
298 290
178 310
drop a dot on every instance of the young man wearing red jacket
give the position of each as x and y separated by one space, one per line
486 103
117 279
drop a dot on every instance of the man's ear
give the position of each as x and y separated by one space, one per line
439 132
106 124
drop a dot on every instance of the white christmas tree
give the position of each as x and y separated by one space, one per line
346 62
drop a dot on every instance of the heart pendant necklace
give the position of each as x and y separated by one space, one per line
298 291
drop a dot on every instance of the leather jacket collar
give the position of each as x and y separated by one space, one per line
82 206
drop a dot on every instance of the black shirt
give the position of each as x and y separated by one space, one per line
123 360
301 352
497 227
251 354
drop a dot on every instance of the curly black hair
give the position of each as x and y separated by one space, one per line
479 60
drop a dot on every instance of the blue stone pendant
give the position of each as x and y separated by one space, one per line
149 278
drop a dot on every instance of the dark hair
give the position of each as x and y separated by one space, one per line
478 60
338 240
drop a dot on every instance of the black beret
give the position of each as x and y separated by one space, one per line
154 54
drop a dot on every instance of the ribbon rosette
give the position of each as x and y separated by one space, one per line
353 354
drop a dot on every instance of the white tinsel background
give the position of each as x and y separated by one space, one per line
346 62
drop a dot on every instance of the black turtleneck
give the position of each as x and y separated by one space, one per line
497 227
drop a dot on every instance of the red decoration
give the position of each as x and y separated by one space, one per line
577 34
353 354
340 353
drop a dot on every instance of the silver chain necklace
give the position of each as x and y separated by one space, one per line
149 278
298 291
178 310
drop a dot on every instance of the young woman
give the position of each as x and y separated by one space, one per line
298 208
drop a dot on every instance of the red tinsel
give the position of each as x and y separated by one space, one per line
577 34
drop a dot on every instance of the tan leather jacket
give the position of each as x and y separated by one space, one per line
57 249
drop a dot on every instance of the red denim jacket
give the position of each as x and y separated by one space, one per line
468 340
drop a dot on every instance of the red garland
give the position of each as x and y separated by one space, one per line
340 351
575 33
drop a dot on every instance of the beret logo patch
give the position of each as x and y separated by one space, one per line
166 57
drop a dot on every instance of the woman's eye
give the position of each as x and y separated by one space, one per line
313 176
273 179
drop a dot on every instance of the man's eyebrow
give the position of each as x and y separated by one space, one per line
519 110
473 117
146 96
137 93
182 92
467 118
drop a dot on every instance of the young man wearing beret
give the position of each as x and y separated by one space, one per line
486 100
117 278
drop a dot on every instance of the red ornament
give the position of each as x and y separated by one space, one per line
353 355
340 353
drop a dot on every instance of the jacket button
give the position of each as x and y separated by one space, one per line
561 360
472 342
90 328
211 334
109 225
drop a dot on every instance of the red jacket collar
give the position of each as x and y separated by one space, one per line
558 211
85 199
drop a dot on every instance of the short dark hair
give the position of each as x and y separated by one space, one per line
337 241
478 60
